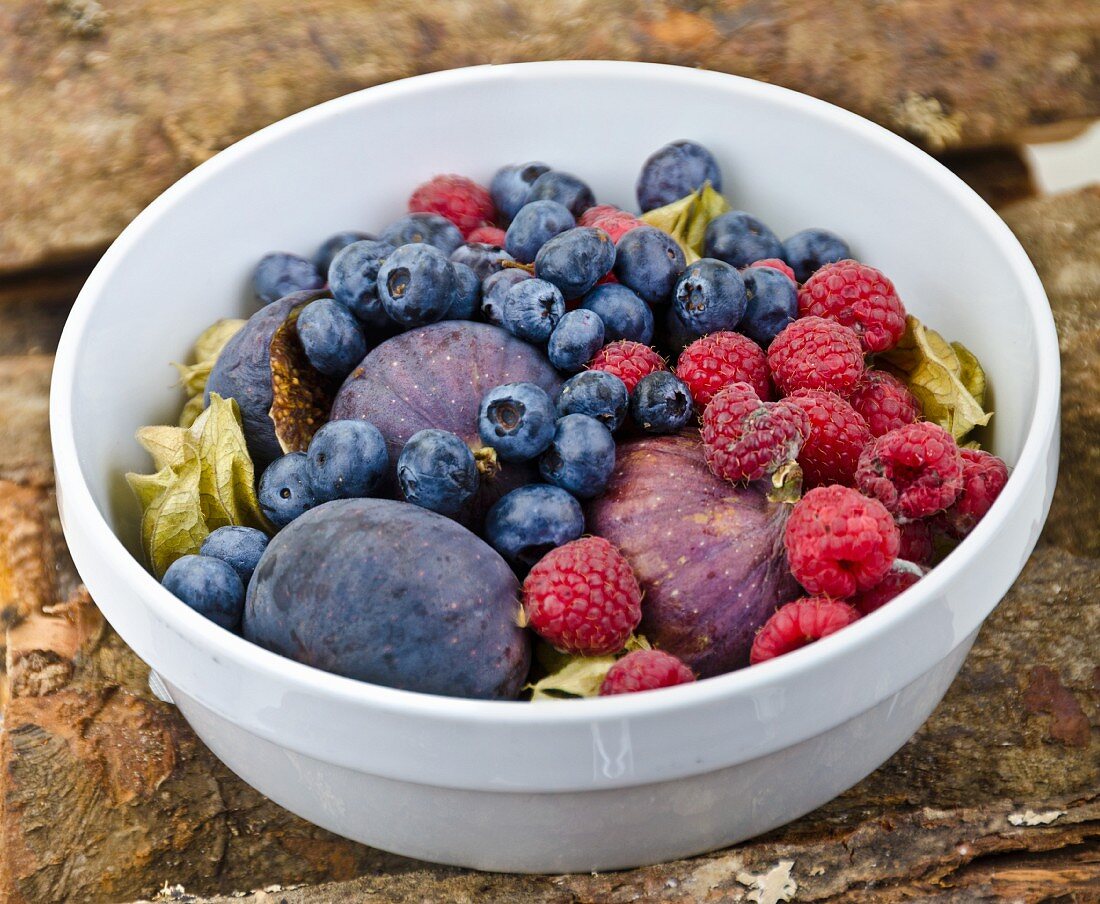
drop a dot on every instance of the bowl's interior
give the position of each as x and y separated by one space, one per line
352 164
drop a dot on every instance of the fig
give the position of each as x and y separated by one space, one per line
393 594
708 554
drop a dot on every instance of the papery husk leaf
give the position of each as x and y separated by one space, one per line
301 395
205 352
572 676
686 220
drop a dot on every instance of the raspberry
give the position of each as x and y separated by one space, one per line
645 670
815 353
983 478
856 296
745 439
618 224
915 470
799 623
838 434
776 264
916 542
487 235
884 401
839 542
896 580
461 200
583 598
589 217
715 361
629 361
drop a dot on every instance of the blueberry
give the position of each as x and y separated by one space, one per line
772 304
437 471
334 244
709 296
331 337
278 274
581 457
597 394
511 185
527 523
209 586
284 490
347 460
353 278
575 340
565 188
576 260
426 228
239 547
484 260
676 335
675 171
740 239
624 314
494 290
517 420
649 261
661 403
808 250
532 309
466 296
534 226
416 284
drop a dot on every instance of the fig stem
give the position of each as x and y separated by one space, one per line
786 483
486 460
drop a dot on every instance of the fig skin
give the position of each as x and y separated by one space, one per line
393 594
707 553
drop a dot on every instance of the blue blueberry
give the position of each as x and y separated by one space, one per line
527 523
426 228
575 340
624 314
511 185
810 249
676 335
675 171
284 490
532 309
416 284
533 226
334 244
709 296
239 547
209 586
437 471
484 260
772 304
353 278
581 457
597 394
649 261
576 260
347 460
517 420
661 403
740 239
565 188
331 337
466 297
278 274
495 289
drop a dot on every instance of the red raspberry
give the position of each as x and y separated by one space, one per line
776 264
916 542
745 439
618 224
645 670
461 200
487 235
583 598
839 542
589 217
629 361
799 623
915 470
896 580
815 353
884 401
838 434
983 478
715 361
859 297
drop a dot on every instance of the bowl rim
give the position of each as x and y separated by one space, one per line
80 507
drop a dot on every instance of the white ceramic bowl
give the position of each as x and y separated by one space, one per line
593 784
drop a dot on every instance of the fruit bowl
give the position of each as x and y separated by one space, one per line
594 784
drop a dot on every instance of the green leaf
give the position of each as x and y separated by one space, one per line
575 676
207 347
686 220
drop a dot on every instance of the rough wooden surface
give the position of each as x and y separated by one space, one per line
107 104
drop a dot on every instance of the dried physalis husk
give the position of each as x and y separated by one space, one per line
686 220
205 352
301 395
